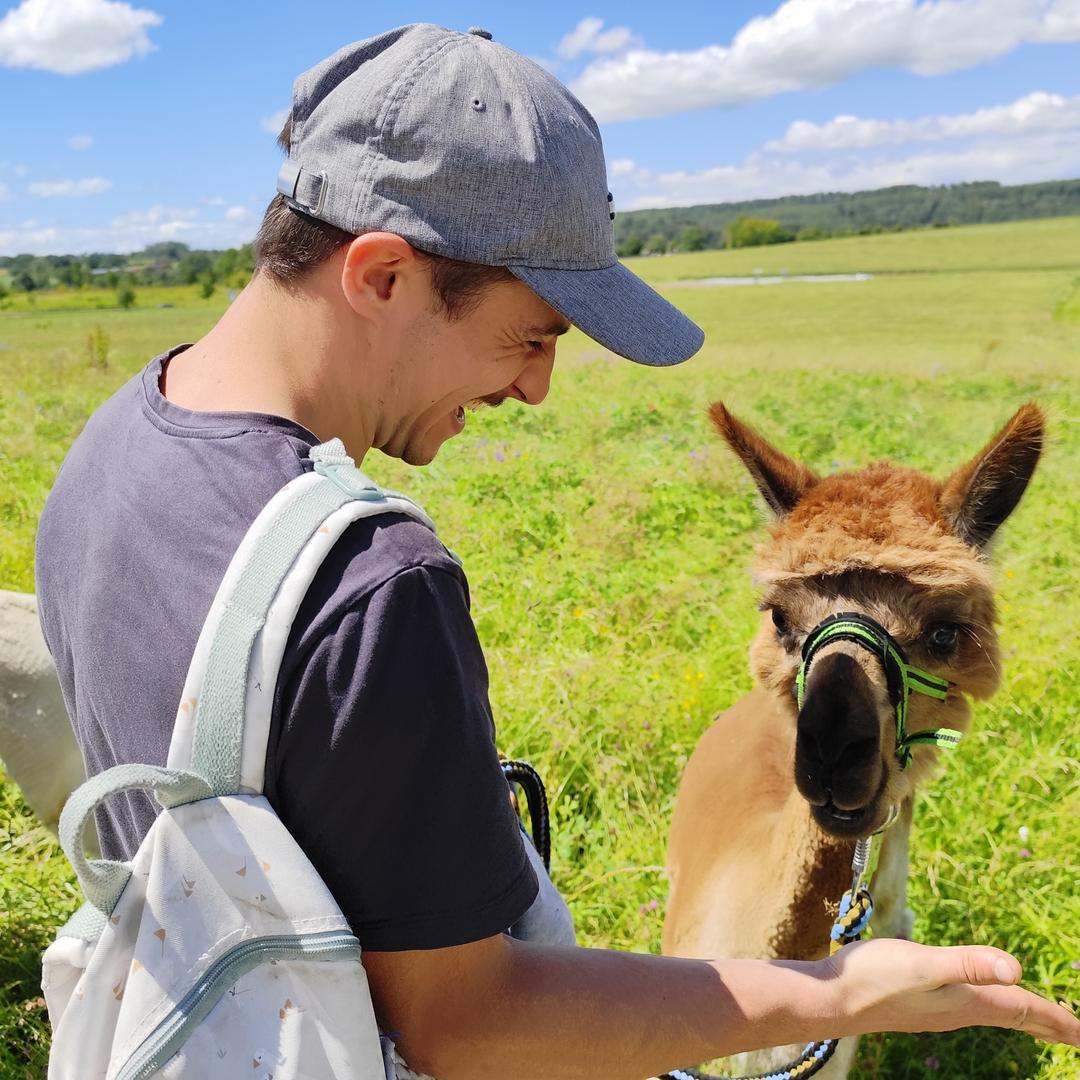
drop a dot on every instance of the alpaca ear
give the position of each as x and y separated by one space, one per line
978 497
781 480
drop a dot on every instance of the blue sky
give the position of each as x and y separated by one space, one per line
127 123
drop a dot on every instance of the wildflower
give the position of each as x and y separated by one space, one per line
499 455
1023 832
932 1062
1075 965
654 904
1024 853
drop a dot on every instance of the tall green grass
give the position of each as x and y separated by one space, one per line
607 537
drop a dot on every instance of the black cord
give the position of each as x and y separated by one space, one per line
521 772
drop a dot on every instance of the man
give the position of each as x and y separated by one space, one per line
443 218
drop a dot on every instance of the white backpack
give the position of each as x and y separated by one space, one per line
217 952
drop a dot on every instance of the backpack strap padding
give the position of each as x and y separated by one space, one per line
103 880
224 717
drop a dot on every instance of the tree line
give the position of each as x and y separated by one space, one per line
815 217
167 263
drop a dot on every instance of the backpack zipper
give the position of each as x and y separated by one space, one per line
170 1035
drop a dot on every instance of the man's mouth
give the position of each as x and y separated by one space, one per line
460 415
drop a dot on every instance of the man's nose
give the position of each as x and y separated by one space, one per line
535 381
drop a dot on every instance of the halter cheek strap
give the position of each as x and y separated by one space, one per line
901 678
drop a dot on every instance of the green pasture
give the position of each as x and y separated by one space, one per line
607 537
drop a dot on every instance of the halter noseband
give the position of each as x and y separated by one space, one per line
900 677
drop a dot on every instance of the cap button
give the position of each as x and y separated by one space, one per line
479 31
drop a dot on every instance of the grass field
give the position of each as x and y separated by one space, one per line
607 537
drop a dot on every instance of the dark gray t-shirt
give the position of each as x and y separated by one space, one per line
381 760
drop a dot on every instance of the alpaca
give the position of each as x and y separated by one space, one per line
775 795
37 746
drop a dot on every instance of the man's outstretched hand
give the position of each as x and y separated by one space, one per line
892 985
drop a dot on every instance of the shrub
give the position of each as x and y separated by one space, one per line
125 296
753 232
97 347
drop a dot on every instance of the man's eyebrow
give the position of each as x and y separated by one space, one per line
552 329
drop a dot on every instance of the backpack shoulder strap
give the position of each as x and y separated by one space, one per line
224 716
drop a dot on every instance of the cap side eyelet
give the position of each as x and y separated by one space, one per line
478 105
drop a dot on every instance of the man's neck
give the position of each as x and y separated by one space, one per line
274 351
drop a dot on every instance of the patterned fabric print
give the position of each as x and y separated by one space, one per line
282 1020
200 888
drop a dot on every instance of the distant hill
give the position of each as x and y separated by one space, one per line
846 213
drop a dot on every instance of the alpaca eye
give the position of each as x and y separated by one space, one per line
780 622
941 638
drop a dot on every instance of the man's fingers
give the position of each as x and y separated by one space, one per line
980 965
1021 1010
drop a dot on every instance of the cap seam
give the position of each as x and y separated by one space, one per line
392 104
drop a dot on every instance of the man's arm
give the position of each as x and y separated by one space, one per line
499 1007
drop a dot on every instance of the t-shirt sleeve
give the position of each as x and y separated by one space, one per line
385 771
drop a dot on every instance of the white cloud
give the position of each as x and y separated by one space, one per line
156 216
590 36
814 43
70 189
70 37
1037 112
81 142
1007 159
127 232
212 200
275 122
237 213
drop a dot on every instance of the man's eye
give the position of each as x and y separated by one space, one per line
536 346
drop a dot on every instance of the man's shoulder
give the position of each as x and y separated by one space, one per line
376 553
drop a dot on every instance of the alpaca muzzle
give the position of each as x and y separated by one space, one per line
901 678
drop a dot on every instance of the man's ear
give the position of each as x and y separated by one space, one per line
980 495
781 480
373 265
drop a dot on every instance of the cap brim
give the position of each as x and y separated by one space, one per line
618 310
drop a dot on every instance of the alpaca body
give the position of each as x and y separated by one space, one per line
764 883
37 745
775 890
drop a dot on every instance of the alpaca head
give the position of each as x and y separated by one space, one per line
904 550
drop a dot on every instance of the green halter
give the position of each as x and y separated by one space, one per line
900 677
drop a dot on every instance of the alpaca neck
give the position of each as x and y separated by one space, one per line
813 870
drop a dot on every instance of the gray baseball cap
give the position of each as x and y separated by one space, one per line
470 150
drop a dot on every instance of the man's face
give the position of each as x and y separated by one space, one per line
504 347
